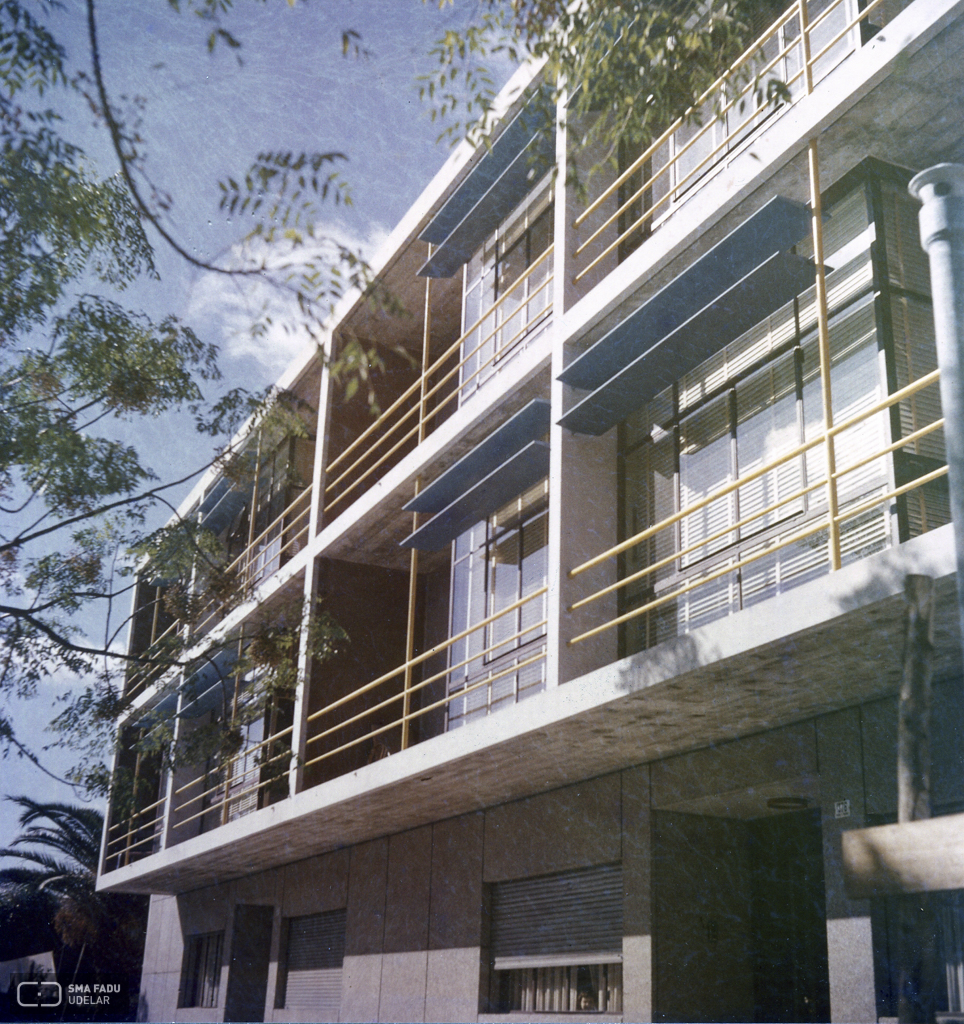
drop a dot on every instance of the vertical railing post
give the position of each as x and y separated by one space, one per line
426 340
413 562
805 44
941 191
823 332
255 497
410 636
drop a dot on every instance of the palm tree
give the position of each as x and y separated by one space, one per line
59 848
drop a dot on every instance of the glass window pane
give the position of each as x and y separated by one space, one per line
705 466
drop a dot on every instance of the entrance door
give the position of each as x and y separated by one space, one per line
788 918
248 970
740 928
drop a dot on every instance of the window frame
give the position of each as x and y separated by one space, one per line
201 970
469 560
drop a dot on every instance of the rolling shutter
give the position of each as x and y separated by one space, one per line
575 917
316 949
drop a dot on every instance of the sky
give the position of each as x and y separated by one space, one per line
206 116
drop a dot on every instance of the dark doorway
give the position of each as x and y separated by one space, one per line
740 924
788 918
248 970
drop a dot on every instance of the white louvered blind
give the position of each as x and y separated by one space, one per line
316 950
575 917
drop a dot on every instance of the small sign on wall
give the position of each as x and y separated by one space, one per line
841 809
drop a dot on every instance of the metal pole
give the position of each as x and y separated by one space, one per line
918 974
823 335
413 563
941 191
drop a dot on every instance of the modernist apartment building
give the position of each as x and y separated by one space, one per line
621 558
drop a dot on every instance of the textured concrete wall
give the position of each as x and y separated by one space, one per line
849 945
416 901
572 827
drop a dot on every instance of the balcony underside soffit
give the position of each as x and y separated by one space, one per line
711 686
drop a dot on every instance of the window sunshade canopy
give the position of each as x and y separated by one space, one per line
762 291
492 190
776 226
508 461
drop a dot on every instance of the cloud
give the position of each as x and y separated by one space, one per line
227 310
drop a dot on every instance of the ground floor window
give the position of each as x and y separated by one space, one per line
201 974
314 953
557 943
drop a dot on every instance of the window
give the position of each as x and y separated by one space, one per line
497 565
557 942
758 398
315 951
201 975
507 290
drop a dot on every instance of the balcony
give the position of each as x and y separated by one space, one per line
796 53
448 382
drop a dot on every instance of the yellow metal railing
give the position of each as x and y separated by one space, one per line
157 654
266 553
262 558
819 522
462 366
727 98
127 838
236 779
508 655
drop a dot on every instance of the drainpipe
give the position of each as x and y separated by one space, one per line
941 191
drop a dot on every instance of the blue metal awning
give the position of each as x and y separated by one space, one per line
210 684
491 191
511 478
776 226
761 292
223 512
528 424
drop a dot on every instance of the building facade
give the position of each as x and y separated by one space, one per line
621 560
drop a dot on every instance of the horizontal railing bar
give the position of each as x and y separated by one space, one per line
822 523
680 121
926 478
795 496
374 425
231 782
434 368
421 685
134 830
136 814
418 659
234 757
862 16
219 805
126 850
677 555
693 584
733 485
445 355
649 182
421 711
479 683
728 139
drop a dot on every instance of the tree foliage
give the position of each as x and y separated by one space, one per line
54 873
79 366
626 69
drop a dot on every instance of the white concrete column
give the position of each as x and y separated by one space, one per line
554 639
941 191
